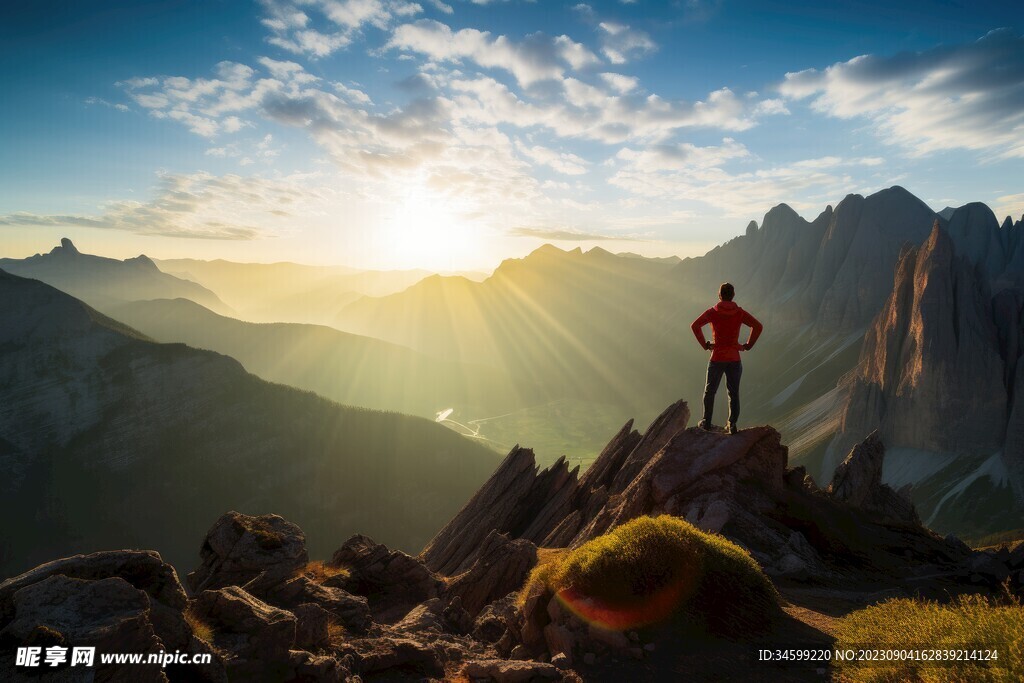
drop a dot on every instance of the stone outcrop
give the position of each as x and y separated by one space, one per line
116 601
244 626
552 507
736 485
240 550
858 481
266 555
501 567
392 580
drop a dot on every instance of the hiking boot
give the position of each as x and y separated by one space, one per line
706 426
731 428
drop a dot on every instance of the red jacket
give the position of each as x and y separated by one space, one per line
725 319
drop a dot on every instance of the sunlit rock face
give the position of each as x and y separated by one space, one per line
939 371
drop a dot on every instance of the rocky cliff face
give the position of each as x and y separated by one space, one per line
938 369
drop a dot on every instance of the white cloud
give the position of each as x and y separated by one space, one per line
968 96
341 20
538 57
1011 205
688 172
620 43
197 205
563 162
620 83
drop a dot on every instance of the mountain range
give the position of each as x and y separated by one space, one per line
103 282
108 439
562 345
348 368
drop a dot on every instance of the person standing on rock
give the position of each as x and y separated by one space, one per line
725 319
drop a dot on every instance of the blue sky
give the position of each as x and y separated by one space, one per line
392 133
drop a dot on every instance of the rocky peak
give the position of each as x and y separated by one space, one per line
781 216
142 261
66 248
936 331
975 232
858 481
751 228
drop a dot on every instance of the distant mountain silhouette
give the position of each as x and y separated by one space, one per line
352 369
102 282
578 324
109 440
290 292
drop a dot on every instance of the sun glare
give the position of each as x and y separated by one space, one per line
426 230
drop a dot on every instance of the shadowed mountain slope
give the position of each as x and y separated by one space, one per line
351 369
108 440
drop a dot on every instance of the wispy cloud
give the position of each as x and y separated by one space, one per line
968 96
561 235
198 206
293 29
621 44
536 58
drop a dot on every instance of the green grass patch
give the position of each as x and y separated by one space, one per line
656 569
902 624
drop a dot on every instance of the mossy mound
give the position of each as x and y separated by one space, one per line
660 569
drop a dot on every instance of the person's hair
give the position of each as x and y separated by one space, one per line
726 292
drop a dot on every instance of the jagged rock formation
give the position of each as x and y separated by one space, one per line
104 282
735 485
240 549
858 481
263 614
552 507
103 432
939 367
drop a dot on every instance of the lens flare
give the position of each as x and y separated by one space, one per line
643 609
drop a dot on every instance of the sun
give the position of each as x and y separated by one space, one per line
427 229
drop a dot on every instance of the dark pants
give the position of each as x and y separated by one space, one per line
732 371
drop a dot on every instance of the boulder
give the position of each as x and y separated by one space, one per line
109 613
510 671
244 626
400 656
312 626
495 620
501 566
240 550
351 611
143 569
392 581
421 618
